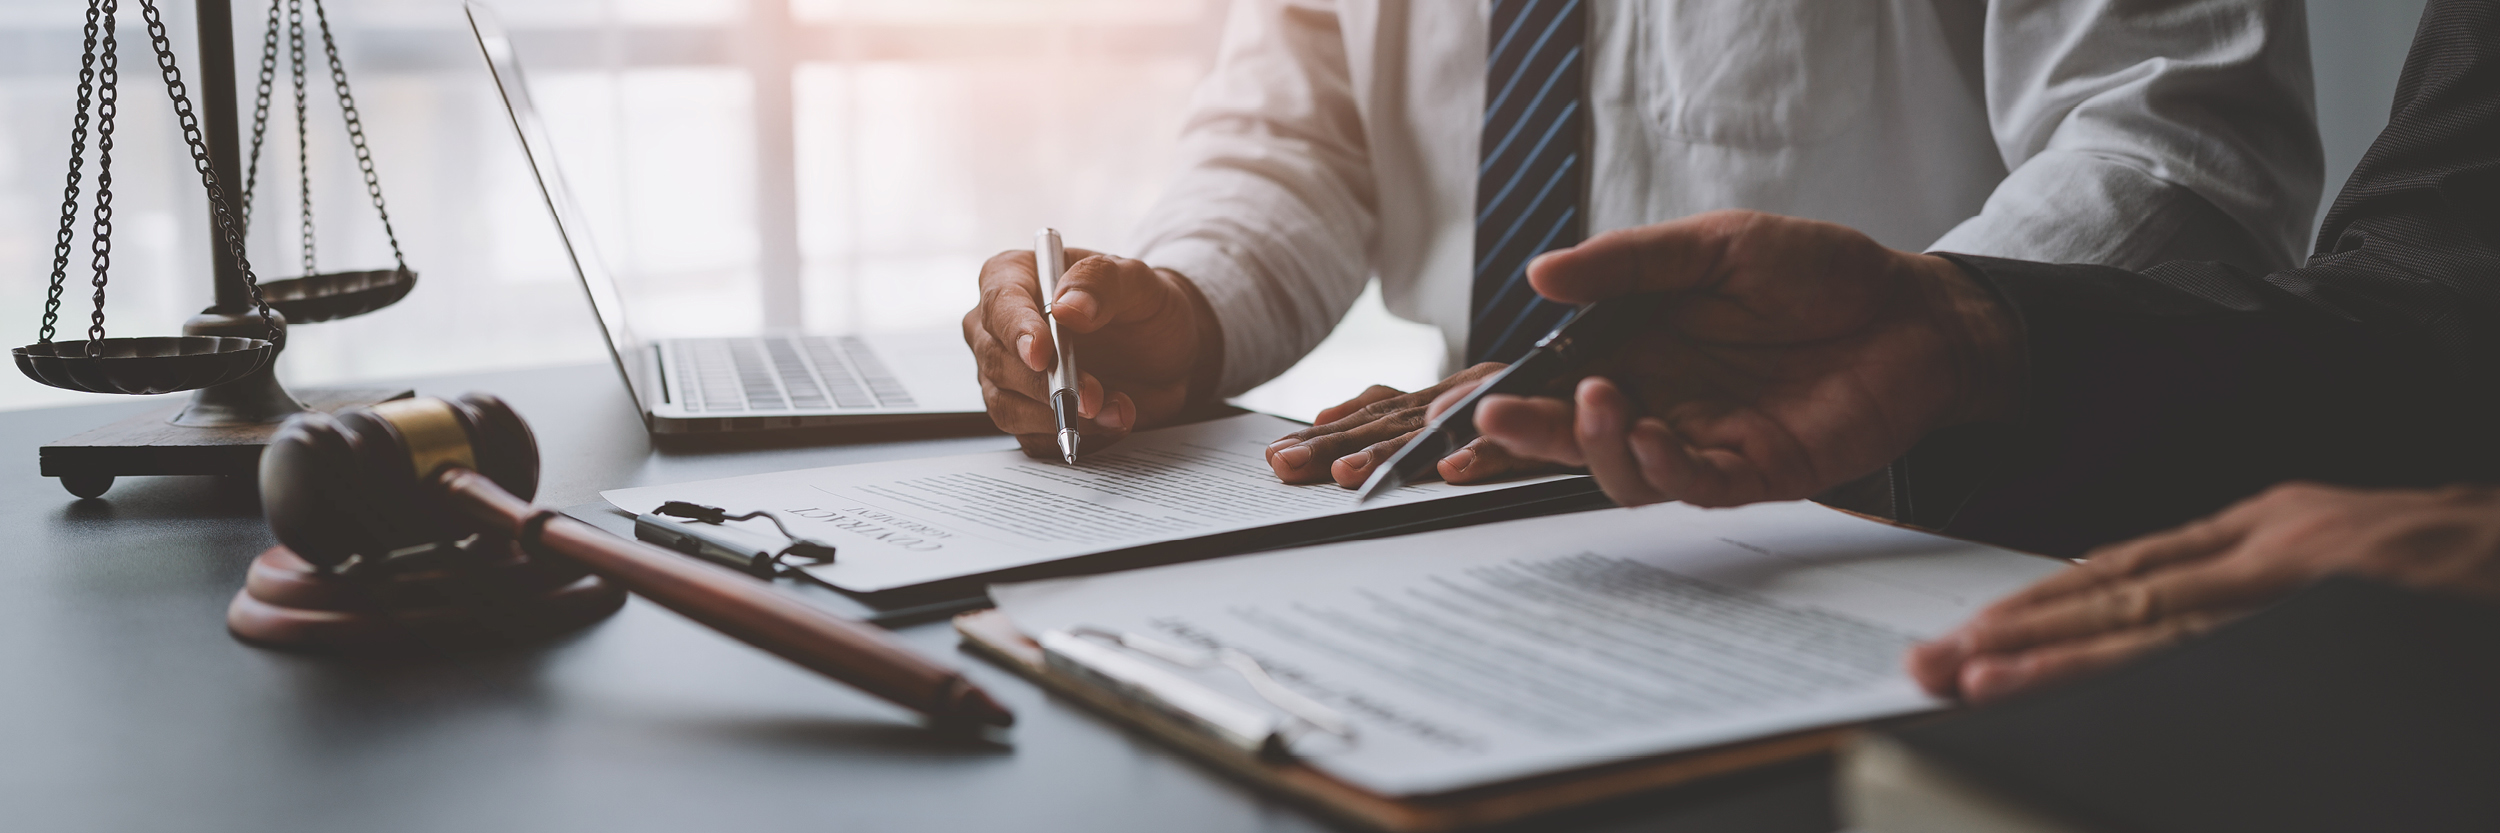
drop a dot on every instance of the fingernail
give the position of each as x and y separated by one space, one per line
1113 416
1973 681
1078 301
1461 459
1294 457
1357 460
1024 349
1987 678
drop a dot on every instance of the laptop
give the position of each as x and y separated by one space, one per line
742 384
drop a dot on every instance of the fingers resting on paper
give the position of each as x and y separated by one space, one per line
2135 596
1346 441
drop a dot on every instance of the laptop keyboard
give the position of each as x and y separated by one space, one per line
784 373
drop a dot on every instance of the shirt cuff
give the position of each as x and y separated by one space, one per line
2072 208
1242 311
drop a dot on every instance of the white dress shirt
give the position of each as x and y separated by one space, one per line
1337 141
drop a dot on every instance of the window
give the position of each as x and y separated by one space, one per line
904 140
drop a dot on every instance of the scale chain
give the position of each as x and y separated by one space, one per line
99 104
294 20
356 133
303 141
62 247
107 105
293 14
192 135
260 112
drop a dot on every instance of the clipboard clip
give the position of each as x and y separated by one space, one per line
708 538
1116 661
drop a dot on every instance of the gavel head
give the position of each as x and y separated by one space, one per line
362 481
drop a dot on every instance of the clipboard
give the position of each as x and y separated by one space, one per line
992 636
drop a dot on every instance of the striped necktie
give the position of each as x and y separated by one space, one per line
1533 171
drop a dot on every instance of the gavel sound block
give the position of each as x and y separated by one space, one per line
355 575
409 523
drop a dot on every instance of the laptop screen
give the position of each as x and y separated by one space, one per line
605 302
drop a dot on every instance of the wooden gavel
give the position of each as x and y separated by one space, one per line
347 490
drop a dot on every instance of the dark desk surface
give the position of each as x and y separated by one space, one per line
124 706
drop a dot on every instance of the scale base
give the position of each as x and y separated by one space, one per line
148 444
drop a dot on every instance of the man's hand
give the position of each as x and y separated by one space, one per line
1142 336
2131 597
1347 440
1790 357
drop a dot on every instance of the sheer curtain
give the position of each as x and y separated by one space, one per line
834 165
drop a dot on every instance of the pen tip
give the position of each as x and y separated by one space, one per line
1381 481
1067 446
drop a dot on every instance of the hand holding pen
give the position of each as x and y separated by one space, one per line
1789 356
1143 336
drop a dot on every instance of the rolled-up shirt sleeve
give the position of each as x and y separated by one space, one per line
1272 212
2161 395
2136 133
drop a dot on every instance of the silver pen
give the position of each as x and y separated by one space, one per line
1561 357
1051 260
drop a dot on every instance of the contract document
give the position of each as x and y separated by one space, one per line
1486 654
912 522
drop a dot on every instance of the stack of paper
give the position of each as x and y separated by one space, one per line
1486 654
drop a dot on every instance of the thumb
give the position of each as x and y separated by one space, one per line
1663 257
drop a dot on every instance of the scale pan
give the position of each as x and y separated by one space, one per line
334 295
156 364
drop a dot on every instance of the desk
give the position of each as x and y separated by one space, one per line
125 707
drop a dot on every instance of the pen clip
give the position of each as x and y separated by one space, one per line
706 535
1205 707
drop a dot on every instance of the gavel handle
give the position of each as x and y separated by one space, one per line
733 604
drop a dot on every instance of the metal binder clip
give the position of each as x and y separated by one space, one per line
706 537
1097 656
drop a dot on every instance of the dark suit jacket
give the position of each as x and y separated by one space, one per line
2157 397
